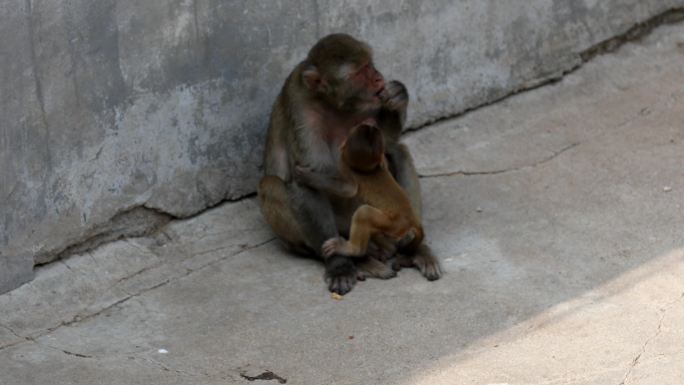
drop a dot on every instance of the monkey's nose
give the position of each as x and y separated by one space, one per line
380 83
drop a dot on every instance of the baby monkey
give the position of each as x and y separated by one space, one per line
383 209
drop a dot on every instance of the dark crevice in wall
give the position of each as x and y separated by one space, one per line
635 33
135 222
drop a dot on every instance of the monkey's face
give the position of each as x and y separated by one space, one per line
364 148
340 71
351 87
361 89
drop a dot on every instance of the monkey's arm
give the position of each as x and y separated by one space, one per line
337 183
404 171
391 119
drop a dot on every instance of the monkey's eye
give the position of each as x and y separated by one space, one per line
362 71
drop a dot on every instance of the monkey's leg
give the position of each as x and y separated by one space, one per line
391 119
366 222
386 247
276 209
303 219
419 255
371 267
423 259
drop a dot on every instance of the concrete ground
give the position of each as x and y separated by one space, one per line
557 215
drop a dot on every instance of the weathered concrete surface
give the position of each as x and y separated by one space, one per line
112 107
557 215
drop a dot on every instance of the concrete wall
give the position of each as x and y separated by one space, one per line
140 111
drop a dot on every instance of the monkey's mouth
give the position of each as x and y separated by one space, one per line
381 94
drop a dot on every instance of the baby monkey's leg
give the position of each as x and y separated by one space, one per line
382 247
371 267
366 222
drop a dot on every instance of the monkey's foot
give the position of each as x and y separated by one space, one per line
340 274
373 268
379 253
401 261
428 265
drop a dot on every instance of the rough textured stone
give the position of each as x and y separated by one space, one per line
563 268
111 105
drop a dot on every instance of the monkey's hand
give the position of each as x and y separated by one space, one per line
395 96
335 184
340 246
331 246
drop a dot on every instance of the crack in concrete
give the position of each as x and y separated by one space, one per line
76 319
33 340
67 352
15 343
181 372
66 265
242 250
636 359
502 171
11 330
83 317
22 339
137 273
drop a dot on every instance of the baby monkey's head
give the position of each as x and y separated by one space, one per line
364 148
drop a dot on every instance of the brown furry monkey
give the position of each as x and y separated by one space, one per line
335 88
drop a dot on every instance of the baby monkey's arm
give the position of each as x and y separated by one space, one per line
338 182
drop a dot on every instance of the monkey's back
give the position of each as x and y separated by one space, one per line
380 190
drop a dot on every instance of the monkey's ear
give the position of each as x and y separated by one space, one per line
313 79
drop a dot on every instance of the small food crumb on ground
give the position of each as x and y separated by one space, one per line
162 351
336 296
667 188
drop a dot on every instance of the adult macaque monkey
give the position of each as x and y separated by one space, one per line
334 89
